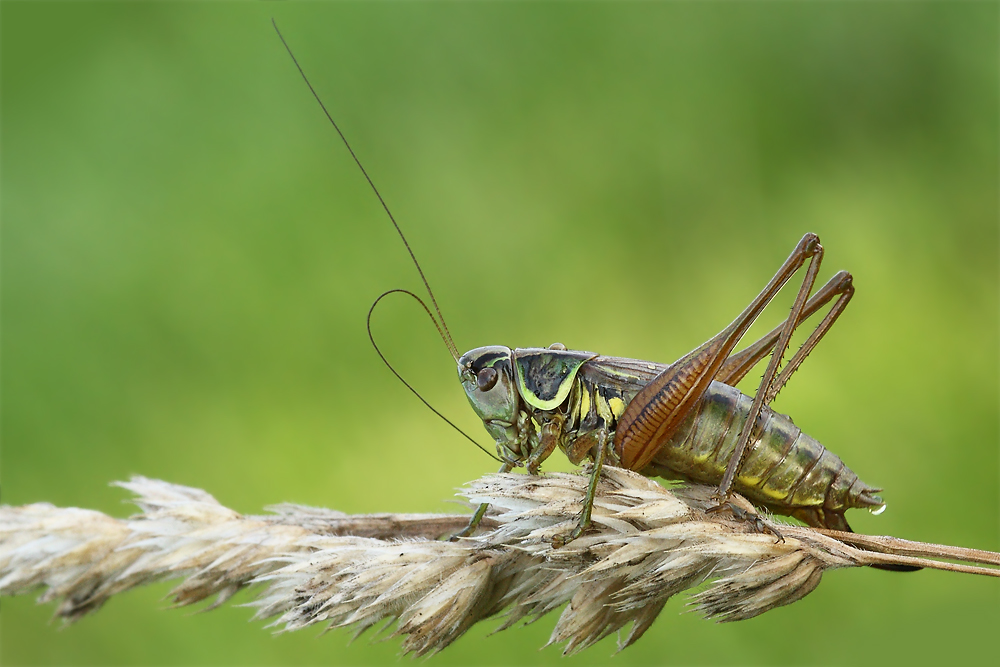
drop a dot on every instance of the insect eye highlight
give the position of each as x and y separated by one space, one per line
486 379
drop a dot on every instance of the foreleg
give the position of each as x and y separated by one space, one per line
480 511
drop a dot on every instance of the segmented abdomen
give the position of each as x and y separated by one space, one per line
786 470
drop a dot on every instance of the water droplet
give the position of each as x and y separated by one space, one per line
878 510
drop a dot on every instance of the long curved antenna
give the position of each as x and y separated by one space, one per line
442 327
396 373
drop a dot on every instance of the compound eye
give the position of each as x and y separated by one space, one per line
486 379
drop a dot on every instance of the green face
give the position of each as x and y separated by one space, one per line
487 376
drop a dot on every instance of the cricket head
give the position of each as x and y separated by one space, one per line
487 375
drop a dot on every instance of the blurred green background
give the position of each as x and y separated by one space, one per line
188 255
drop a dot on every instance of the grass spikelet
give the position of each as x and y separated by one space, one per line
312 566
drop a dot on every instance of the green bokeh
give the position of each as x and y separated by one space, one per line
189 254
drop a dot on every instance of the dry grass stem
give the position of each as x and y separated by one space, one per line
315 566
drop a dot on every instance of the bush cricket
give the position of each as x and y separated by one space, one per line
683 421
